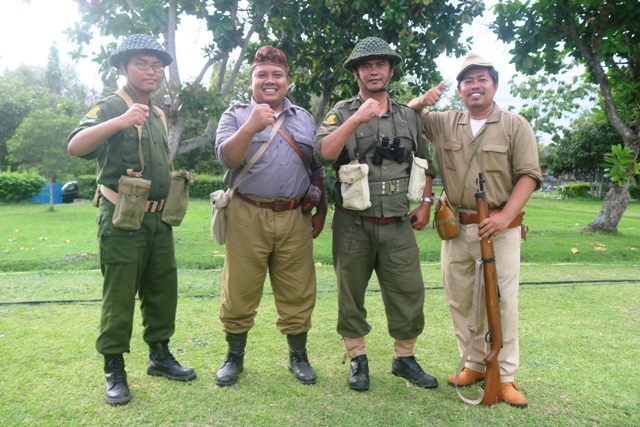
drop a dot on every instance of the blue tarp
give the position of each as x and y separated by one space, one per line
43 197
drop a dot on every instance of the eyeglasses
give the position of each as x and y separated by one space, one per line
144 66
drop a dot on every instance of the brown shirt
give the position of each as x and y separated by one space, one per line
508 151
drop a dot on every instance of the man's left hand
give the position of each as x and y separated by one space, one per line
420 216
317 223
492 226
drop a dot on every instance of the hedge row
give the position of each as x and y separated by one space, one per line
19 186
634 192
575 190
203 185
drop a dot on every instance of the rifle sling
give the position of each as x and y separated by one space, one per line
477 312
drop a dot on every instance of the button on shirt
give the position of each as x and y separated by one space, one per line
279 173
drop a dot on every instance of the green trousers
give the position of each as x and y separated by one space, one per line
359 248
138 262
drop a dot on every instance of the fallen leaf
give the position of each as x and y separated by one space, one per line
599 248
6 251
67 241
17 230
597 244
318 264
44 238
558 243
634 249
577 225
22 248
12 239
575 250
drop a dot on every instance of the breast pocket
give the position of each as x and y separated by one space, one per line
453 153
129 146
495 158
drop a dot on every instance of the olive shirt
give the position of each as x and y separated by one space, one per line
119 152
407 126
508 151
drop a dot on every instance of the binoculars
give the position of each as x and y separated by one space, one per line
396 151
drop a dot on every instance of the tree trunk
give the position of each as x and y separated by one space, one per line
51 195
615 203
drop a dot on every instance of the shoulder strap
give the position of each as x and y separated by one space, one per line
296 148
261 151
466 174
350 145
125 96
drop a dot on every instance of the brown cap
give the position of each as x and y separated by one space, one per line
472 60
268 55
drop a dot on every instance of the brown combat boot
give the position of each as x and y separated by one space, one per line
513 396
467 377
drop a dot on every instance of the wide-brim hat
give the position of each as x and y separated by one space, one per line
139 43
369 48
269 55
472 60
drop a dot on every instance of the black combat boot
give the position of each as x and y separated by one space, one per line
117 388
233 361
298 360
359 373
408 368
162 363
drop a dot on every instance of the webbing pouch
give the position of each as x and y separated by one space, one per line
131 203
175 207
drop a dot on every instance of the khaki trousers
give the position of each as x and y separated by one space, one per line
261 240
458 258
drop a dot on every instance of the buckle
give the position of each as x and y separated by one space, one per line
392 187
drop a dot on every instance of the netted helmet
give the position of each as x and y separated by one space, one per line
371 47
139 43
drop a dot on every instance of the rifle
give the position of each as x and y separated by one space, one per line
492 388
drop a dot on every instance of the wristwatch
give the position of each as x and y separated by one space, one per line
426 199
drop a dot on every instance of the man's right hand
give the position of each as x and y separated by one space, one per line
136 115
261 117
367 111
430 98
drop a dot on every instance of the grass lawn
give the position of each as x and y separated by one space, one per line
579 341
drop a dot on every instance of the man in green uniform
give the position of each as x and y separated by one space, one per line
138 261
380 237
503 146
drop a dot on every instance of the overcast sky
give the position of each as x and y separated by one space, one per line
28 30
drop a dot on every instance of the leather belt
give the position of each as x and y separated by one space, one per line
469 218
274 206
151 206
374 219
387 188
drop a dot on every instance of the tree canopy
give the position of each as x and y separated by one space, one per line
602 35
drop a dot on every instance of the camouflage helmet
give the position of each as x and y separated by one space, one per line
371 47
139 43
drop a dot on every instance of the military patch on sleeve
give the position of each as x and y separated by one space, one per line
91 116
330 120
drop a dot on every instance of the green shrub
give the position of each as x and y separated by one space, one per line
203 185
87 186
19 186
575 190
634 192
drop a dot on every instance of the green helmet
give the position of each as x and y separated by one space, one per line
371 47
138 43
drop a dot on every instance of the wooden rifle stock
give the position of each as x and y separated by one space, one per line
492 386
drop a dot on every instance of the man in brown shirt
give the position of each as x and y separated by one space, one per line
508 157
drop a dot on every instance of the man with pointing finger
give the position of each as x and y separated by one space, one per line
266 229
380 237
138 261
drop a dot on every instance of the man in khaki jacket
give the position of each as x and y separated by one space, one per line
508 157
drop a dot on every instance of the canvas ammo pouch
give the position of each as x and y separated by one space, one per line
219 201
355 186
177 202
447 219
417 179
131 203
